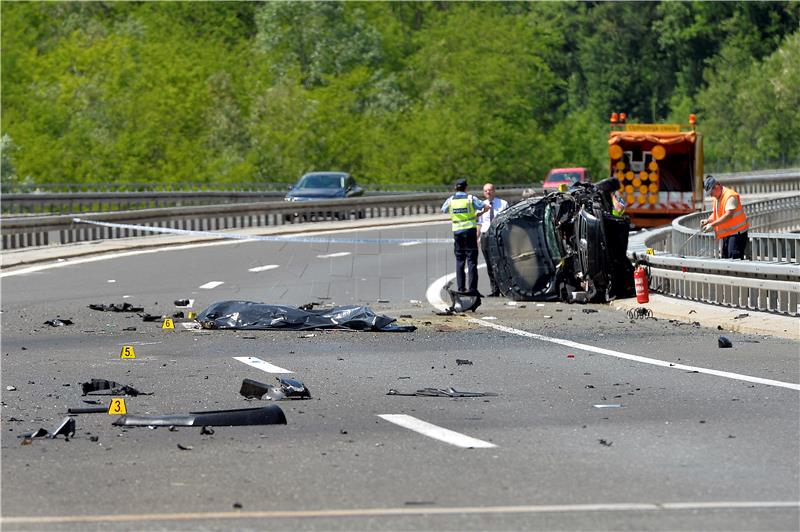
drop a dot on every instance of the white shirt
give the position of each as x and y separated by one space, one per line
731 204
485 219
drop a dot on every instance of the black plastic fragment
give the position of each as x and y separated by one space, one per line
151 317
66 428
57 322
114 307
106 387
181 302
463 362
463 301
265 415
294 389
253 389
88 410
724 343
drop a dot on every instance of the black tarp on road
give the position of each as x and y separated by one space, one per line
249 315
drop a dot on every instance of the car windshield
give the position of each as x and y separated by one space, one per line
322 181
560 177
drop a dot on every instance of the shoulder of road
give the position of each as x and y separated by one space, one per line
712 316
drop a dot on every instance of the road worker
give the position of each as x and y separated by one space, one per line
728 219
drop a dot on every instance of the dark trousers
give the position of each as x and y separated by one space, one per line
492 284
466 249
734 246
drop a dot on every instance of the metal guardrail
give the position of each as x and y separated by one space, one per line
763 182
770 282
48 203
27 231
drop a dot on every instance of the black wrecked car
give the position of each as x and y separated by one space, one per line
324 185
564 246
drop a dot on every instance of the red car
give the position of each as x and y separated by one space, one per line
565 176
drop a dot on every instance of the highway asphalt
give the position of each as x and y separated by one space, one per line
689 436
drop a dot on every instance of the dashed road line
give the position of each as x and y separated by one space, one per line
263 268
262 365
211 284
437 433
334 255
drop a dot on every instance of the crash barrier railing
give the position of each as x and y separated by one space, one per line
27 231
81 202
770 234
733 283
762 182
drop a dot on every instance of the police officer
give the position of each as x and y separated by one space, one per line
464 210
728 219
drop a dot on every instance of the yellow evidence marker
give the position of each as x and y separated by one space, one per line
117 407
651 251
168 324
127 352
192 315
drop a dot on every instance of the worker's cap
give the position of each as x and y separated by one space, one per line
461 184
709 183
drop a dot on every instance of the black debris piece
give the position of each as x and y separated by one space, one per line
740 316
129 329
407 316
185 447
310 306
181 302
66 428
294 389
724 343
178 314
249 315
462 301
106 387
114 307
88 410
58 322
605 443
564 246
440 392
463 362
253 389
589 311
151 317
265 415
640 313
208 431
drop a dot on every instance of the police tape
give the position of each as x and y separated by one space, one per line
265 238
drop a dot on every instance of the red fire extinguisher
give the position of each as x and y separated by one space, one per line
641 284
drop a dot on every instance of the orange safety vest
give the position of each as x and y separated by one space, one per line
737 222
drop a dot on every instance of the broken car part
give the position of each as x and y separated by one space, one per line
66 428
640 313
113 307
564 246
58 322
106 387
289 389
724 343
463 362
265 415
462 301
249 315
88 410
440 392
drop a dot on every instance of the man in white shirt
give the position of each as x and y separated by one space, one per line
494 206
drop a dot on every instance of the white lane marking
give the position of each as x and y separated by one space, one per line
415 243
637 358
262 365
434 292
111 281
263 268
333 255
388 512
436 432
211 284
61 262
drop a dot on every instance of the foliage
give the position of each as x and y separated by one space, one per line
414 92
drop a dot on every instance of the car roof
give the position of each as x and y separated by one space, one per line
327 173
576 169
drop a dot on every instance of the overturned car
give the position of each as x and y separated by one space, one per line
564 246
